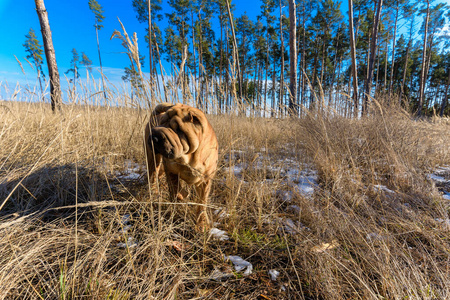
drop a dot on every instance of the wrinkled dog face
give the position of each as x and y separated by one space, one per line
177 132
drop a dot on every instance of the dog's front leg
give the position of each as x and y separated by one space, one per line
201 215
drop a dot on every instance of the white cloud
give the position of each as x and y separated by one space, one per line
445 31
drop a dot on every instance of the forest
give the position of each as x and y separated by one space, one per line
208 55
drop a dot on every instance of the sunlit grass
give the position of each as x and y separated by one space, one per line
63 233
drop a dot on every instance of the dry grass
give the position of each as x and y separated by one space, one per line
64 204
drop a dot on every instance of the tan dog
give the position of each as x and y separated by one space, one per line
180 137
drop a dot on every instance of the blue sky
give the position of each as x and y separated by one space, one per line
72 27
71 23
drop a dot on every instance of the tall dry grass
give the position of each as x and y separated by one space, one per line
73 227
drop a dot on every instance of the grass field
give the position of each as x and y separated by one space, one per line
338 208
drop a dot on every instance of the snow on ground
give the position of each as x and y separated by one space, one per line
221 235
383 188
240 264
441 178
437 178
274 274
131 171
305 182
300 177
446 196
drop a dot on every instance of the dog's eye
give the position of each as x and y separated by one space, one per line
195 119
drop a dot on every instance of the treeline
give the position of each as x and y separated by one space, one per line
405 30
221 61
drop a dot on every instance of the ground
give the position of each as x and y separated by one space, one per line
321 207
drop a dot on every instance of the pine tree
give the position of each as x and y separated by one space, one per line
408 13
424 53
74 63
444 103
132 75
292 58
147 11
353 59
97 9
373 50
34 50
179 20
267 8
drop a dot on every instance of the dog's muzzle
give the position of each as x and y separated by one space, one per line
160 144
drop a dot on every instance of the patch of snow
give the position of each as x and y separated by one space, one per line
129 176
132 171
274 274
305 188
221 235
437 178
383 188
126 219
305 182
237 170
446 196
132 166
131 243
240 264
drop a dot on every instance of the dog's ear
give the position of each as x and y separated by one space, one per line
161 108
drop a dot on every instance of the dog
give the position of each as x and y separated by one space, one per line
180 142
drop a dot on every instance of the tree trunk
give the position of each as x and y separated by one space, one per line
196 79
378 68
445 100
386 62
292 58
220 95
313 82
236 59
402 86
373 48
55 87
391 81
274 109
422 73
266 71
303 70
100 61
333 72
282 63
150 47
353 55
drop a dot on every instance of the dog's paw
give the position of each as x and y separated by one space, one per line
203 224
